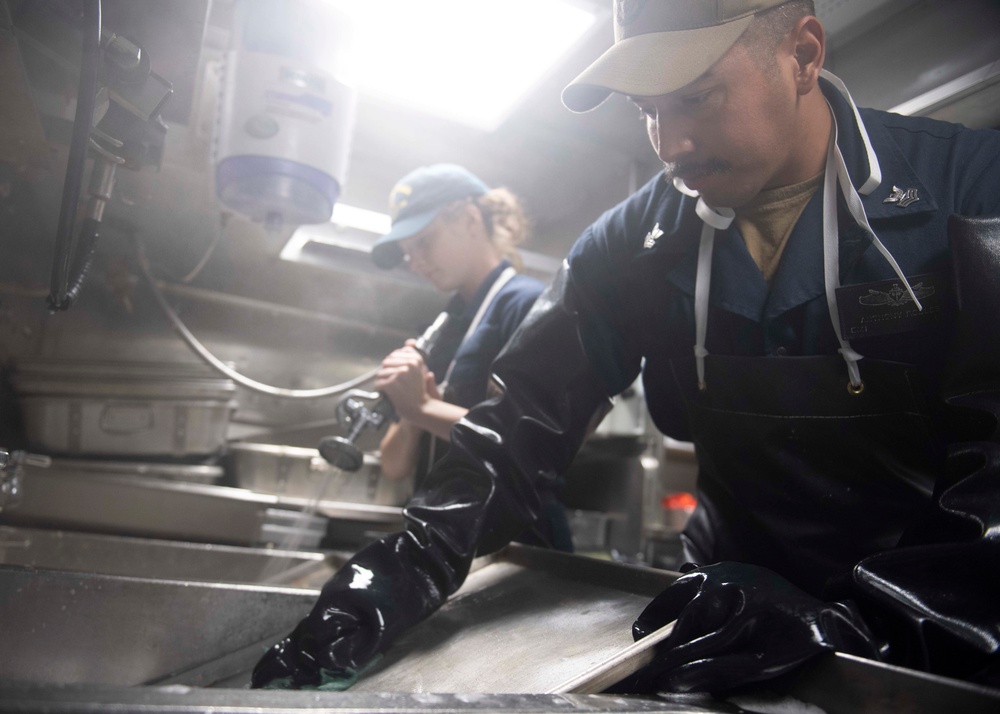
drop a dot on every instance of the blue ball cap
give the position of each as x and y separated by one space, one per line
415 201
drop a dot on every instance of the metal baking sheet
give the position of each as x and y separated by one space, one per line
527 620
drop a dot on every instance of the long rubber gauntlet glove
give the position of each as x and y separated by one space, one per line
475 500
937 595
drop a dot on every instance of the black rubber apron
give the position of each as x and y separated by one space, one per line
798 474
804 466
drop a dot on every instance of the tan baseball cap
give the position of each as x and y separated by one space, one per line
661 46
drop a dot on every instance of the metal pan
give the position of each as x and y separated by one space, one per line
117 409
528 620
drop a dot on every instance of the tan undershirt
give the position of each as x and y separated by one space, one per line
768 220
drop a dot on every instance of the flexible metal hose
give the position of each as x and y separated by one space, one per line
220 366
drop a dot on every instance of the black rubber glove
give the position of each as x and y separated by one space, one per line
738 624
477 498
363 607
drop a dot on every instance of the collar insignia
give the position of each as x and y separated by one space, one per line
651 237
902 197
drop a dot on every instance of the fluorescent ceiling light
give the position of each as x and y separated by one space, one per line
466 60
347 222
361 218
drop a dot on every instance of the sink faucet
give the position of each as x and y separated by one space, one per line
11 476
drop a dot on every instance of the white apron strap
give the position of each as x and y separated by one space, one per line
501 280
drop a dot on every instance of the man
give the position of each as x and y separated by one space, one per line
792 297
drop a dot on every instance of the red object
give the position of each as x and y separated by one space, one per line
682 500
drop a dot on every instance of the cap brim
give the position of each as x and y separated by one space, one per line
386 252
652 64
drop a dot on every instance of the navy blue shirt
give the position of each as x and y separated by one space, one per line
470 376
637 308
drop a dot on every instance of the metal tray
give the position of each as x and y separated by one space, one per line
527 620
130 409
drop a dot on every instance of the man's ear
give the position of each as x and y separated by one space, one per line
808 43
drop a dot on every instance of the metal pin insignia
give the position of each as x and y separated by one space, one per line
902 197
651 237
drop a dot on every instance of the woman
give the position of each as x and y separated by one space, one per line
461 236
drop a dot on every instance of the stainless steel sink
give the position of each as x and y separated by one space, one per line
61 627
106 501
100 609
109 643
163 559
